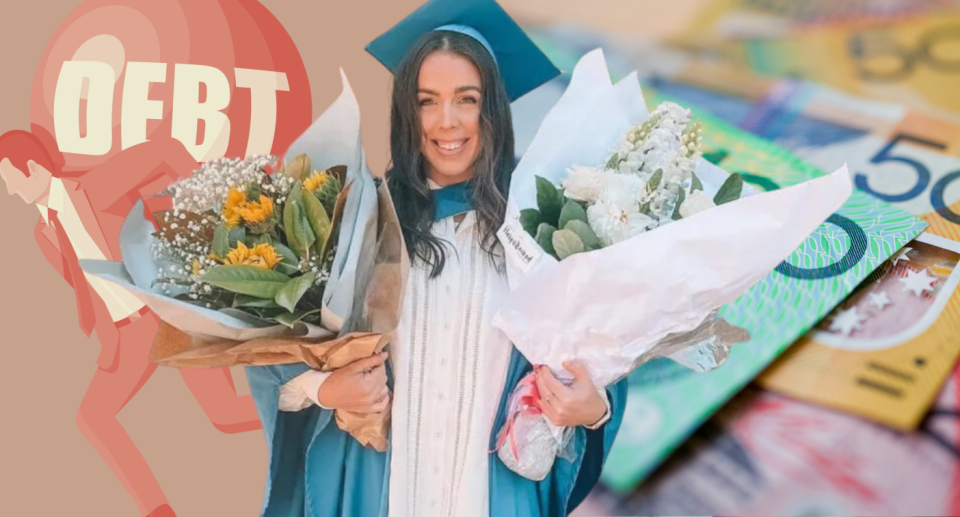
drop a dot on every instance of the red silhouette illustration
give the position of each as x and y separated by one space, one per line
129 96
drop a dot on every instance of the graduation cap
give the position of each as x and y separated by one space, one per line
522 65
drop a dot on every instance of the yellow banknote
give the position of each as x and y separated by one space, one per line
914 62
885 351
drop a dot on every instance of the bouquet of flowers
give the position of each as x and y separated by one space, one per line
245 241
260 264
648 182
636 241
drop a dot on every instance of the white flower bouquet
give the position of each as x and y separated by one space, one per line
622 244
648 182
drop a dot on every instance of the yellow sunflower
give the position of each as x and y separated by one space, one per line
262 255
316 181
236 199
257 211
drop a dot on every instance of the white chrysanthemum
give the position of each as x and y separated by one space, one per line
583 183
694 203
622 189
613 222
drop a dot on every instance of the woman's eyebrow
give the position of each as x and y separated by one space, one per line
460 89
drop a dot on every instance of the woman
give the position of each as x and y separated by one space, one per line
452 147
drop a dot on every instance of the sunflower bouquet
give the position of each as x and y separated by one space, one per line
242 239
296 265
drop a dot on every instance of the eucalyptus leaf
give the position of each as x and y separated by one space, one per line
548 201
566 243
572 211
293 290
730 190
221 243
530 219
676 210
248 280
587 236
544 238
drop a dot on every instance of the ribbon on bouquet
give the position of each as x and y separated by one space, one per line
524 400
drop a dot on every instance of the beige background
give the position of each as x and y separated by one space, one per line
48 468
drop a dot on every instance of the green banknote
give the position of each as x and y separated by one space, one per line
667 402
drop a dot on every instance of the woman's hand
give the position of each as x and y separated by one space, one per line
577 404
359 387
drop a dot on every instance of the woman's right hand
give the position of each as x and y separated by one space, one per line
359 387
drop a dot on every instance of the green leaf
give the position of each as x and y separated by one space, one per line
530 220
221 242
287 255
237 234
548 201
572 211
566 243
730 190
614 162
293 290
586 234
289 213
267 314
248 280
544 238
695 182
243 300
676 210
287 269
318 219
290 319
300 236
654 182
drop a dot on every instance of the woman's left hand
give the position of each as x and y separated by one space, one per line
577 404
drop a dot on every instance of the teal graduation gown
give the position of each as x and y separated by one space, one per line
317 470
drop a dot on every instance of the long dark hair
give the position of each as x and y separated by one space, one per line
407 177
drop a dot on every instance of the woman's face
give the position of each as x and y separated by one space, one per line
449 97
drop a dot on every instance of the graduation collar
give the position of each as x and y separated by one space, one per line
451 200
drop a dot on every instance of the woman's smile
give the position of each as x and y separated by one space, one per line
450 147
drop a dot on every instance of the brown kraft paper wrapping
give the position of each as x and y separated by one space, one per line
371 332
